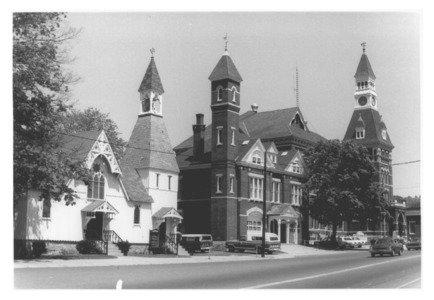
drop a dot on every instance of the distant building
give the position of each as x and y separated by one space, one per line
124 200
367 128
222 166
412 214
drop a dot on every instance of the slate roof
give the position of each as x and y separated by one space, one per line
262 125
151 81
133 185
149 146
372 121
364 68
225 69
284 209
77 145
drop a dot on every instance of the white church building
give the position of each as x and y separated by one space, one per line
126 198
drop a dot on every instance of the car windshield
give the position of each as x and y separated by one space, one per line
206 237
383 241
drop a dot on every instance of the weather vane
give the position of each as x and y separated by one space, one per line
226 39
152 50
363 46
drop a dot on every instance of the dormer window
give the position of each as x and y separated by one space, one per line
257 158
219 94
295 168
360 133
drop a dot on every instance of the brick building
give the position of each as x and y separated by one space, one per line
222 166
367 128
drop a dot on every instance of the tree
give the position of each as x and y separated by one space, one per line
343 185
40 100
93 119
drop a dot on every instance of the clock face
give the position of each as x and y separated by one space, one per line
374 101
362 101
156 106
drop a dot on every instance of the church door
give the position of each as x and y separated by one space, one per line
94 227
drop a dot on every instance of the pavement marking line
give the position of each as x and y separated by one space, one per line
260 286
408 283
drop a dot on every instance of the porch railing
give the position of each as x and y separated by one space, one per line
111 236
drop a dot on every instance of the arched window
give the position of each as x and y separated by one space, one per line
95 189
234 94
219 94
137 215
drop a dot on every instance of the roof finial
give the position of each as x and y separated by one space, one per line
226 39
363 44
152 50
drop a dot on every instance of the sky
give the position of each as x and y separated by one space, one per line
112 53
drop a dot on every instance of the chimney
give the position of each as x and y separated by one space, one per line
198 137
254 107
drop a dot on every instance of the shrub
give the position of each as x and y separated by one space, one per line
22 249
124 246
38 248
87 247
67 251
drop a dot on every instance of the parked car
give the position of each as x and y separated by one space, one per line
346 242
414 244
272 244
386 245
196 242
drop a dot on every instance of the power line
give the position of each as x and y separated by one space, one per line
406 162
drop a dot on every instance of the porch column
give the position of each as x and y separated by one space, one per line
279 222
288 228
296 233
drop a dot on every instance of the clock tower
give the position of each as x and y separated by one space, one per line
367 128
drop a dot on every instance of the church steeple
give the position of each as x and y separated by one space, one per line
151 90
365 94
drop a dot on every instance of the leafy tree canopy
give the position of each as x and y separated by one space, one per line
343 184
94 119
40 101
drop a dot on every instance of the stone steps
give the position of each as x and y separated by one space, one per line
114 250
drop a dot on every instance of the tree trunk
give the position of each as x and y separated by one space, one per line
334 229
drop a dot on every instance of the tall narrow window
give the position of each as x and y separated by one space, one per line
234 94
46 209
233 136
169 182
95 189
231 184
219 135
218 183
219 94
137 215
157 180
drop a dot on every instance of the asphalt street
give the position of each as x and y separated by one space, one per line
349 269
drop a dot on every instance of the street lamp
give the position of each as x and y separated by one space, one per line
264 205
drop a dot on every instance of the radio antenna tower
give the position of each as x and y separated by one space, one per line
296 88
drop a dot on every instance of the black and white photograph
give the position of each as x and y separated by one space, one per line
161 149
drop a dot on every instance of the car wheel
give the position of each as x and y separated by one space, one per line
392 253
231 249
372 254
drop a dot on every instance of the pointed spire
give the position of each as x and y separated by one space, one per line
151 81
364 68
225 68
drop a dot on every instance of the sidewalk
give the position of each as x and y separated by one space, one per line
288 251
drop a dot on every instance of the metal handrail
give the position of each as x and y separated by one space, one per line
111 236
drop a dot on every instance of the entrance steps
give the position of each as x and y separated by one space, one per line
182 251
113 250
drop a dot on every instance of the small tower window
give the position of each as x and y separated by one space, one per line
219 94
219 181
360 133
234 94
233 136
219 135
231 184
146 105
157 180
137 215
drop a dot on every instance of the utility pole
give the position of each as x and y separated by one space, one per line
264 205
